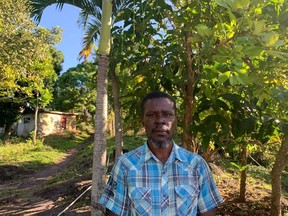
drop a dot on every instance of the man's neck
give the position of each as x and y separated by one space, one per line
162 153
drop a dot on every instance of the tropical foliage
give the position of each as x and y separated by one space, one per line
225 62
26 61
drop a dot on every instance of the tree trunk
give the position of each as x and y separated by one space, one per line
34 137
243 174
99 150
278 167
118 115
7 132
189 98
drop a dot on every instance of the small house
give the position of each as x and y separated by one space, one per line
48 122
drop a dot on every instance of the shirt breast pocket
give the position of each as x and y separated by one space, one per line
186 200
141 200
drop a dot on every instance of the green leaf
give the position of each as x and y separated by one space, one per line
278 54
203 30
223 77
233 80
222 3
208 92
252 51
235 165
269 39
243 168
258 26
242 78
280 43
243 4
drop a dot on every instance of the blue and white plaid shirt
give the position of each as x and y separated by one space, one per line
140 184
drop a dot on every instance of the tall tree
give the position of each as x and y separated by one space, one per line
75 91
24 49
88 7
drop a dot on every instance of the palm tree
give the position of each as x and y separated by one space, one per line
91 11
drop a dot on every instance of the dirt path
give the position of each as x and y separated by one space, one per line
23 200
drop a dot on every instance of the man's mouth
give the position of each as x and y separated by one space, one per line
160 131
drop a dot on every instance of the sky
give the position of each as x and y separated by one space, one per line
72 34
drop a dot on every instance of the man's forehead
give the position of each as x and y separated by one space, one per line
159 100
159 103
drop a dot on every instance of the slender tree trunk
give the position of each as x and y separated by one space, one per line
243 174
34 137
189 98
118 115
7 132
99 151
278 167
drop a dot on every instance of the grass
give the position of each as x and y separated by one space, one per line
82 163
23 153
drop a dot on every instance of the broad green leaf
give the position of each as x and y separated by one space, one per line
233 80
203 30
258 26
233 19
278 54
252 51
280 43
269 39
238 48
208 92
222 3
224 77
242 4
241 78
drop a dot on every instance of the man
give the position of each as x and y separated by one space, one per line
159 177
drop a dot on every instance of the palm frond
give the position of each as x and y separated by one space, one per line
38 6
92 33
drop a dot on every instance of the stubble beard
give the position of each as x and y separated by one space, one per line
160 144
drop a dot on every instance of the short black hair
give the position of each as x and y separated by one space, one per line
157 94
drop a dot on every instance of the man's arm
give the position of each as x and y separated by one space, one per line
212 212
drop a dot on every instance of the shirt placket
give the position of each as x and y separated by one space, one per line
164 191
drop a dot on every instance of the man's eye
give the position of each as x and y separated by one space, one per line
168 114
149 115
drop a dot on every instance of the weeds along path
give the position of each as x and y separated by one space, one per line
23 199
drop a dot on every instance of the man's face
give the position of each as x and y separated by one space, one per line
160 121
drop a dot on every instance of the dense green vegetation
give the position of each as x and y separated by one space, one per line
225 62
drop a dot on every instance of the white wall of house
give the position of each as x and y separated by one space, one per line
25 125
48 123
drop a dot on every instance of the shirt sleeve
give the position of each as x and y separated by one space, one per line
209 196
114 196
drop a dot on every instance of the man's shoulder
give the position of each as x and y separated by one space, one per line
131 157
187 155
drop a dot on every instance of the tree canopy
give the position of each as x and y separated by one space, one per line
28 61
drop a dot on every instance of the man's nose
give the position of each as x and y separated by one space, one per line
160 119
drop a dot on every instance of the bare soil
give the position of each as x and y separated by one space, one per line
30 196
